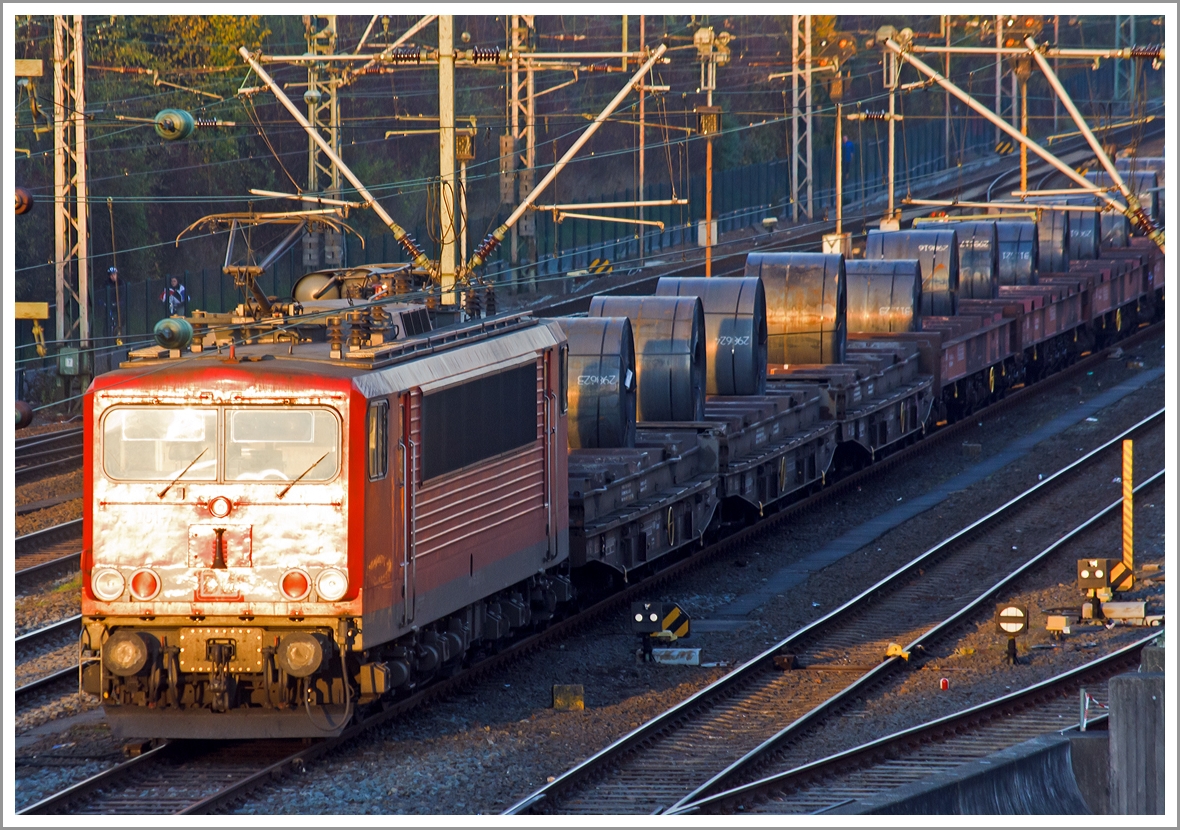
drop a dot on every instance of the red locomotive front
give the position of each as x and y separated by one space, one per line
274 539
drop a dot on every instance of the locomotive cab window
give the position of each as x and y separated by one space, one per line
378 430
266 444
160 444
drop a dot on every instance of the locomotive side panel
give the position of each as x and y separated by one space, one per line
482 526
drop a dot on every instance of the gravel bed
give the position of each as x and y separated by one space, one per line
485 748
50 486
50 604
49 763
46 488
53 704
51 660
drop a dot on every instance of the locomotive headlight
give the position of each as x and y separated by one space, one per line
220 507
295 584
107 584
145 584
331 584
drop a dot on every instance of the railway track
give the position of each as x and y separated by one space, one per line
39 643
217 792
53 451
911 755
735 724
47 554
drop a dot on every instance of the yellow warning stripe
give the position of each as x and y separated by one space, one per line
1126 573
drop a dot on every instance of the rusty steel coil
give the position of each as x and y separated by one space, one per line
1018 246
883 294
735 330
937 251
602 382
978 260
806 306
669 353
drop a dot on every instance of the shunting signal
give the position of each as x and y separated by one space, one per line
662 620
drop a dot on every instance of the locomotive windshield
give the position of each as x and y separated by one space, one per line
281 445
157 444
164 443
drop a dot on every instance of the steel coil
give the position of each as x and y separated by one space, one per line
602 382
735 330
1018 246
1085 230
1053 241
937 252
978 260
806 306
883 294
669 353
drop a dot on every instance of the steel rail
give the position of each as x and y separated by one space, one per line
38 537
924 640
47 632
722 686
27 577
29 546
46 438
70 672
1000 707
24 472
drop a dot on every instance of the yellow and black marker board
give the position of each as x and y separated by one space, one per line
1005 148
600 266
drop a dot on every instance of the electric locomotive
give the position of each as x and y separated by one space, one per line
284 530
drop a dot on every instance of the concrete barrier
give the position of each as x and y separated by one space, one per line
1137 781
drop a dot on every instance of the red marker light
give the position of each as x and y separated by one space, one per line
144 584
944 684
295 584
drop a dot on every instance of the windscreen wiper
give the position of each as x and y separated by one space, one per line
305 472
164 492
